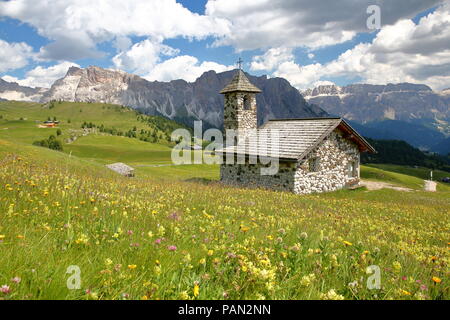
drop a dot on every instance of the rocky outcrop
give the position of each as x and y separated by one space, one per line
178 100
14 91
93 84
367 103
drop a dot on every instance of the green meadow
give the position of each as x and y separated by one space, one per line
174 232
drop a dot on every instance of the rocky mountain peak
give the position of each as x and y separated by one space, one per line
401 101
178 100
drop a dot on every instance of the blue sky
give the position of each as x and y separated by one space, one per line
308 43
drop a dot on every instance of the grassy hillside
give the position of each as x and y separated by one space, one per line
404 175
148 238
401 153
19 121
174 232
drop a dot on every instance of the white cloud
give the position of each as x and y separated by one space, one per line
303 23
42 77
143 56
324 83
14 55
271 59
122 43
403 52
300 77
183 67
77 26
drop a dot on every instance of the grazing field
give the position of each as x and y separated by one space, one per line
174 232
158 237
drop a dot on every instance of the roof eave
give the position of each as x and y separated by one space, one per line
224 91
359 138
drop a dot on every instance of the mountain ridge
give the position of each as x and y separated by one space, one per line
14 91
364 103
178 100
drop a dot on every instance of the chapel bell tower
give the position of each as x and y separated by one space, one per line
240 103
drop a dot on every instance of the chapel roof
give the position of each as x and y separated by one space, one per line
240 83
296 138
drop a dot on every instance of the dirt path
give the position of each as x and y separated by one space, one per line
377 185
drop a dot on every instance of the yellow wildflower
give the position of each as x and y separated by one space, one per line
243 228
184 295
196 290
404 292
397 266
436 280
331 295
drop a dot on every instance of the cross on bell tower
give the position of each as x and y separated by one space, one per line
239 63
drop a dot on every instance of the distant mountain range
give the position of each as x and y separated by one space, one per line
14 91
410 112
415 134
405 111
367 103
177 100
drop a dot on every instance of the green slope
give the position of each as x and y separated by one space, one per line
58 210
65 208
19 120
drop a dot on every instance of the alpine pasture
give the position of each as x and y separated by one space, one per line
174 232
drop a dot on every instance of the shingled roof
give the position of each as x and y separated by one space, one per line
297 137
240 83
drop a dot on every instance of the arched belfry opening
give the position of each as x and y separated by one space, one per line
247 102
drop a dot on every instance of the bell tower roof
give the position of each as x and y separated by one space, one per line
240 83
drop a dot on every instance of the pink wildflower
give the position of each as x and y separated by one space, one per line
16 279
5 289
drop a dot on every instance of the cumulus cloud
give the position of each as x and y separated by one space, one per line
271 59
14 55
143 56
304 23
183 67
42 77
77 26
403 52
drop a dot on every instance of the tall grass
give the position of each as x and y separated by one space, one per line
149 238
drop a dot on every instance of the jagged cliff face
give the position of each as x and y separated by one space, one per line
178 99
366 103
13 91
89 85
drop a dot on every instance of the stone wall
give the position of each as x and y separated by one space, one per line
334 154
235 115
249 175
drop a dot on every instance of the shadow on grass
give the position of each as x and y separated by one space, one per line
204 181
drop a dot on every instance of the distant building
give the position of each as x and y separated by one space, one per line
315 155
121 168
51 124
